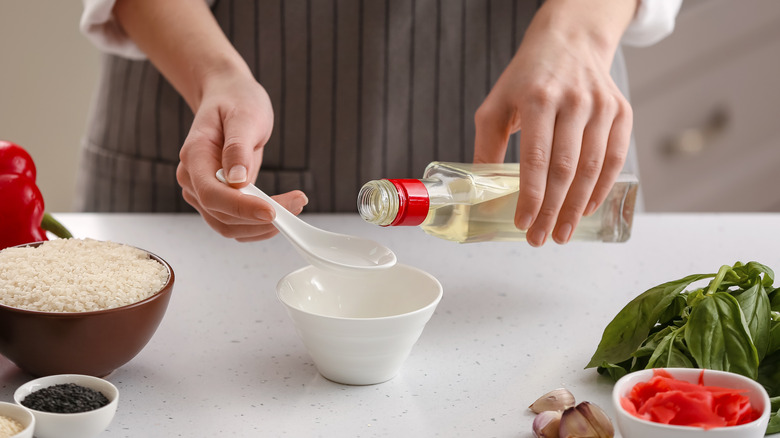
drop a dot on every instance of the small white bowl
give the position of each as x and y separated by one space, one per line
359 330
633 427
77 425
20 414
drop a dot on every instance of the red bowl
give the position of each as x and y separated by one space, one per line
92 343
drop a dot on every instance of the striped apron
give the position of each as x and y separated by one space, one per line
361 89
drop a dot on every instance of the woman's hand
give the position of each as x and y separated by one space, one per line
232 125
233 114
575 124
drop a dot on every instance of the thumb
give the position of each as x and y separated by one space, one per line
493 127
244 137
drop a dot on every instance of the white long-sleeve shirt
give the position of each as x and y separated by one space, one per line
654 20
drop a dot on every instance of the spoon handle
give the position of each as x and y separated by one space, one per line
282 214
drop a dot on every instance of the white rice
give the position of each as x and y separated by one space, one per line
9 427
77 275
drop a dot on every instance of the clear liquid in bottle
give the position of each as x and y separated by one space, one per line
477 202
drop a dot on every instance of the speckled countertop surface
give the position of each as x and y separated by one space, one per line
514 323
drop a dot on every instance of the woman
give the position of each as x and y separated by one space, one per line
354 90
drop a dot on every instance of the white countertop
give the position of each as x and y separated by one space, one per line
514 323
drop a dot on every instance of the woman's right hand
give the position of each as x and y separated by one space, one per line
233 114
232 124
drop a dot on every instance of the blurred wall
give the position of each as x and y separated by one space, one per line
706 102
47 74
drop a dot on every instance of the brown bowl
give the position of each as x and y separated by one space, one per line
93 343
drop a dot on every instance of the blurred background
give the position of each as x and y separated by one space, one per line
47 73
706 102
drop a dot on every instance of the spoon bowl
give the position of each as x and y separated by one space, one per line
321 248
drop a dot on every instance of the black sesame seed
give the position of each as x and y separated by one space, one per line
66 398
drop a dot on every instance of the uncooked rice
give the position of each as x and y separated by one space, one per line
9 427
77 275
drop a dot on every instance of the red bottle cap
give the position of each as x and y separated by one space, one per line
413 202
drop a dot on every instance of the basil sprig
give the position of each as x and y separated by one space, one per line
732 324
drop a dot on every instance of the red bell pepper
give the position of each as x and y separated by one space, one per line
22 216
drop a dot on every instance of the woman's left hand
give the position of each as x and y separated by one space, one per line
575 123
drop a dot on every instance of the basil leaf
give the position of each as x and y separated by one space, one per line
651 343
613 371
674 310
774 420
718 337
639 363
670 353
756 268
630 327
774 337
746 276
774 424
774 299
755 307
769 374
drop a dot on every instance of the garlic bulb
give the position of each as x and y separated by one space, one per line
556 400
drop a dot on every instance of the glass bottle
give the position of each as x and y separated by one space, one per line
466 202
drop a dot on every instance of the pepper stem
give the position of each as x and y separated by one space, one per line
53 226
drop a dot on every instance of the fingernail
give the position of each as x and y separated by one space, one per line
237 174
264 216
537 238
524 222
591 208
564 233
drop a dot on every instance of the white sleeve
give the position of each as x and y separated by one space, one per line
654 21
101 29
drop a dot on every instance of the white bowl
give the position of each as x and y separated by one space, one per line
77 425
20 414
359 330
633 427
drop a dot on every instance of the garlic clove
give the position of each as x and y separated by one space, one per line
546 424
586 420
598 419
556 400
575 425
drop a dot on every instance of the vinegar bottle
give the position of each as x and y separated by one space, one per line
476 203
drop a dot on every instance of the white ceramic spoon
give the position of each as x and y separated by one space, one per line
322 248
